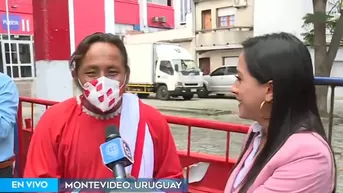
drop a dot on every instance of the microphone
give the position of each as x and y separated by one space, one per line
115 152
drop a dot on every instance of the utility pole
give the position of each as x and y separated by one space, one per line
194 43
143 14
9 40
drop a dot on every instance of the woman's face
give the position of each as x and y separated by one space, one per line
102 59
249 92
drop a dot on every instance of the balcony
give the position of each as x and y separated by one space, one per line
223 38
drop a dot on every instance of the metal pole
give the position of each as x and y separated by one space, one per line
9 39
332 102
143 14
193 7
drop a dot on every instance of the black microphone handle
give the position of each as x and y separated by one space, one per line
119 171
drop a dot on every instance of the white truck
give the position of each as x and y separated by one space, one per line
165 69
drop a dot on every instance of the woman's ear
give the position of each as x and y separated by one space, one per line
269 94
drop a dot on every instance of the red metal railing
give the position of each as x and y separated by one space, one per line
220 167
218 171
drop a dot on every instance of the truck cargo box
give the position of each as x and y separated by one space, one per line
141 62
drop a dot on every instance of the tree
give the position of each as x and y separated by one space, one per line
320 22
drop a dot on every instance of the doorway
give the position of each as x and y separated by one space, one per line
205 65
206 19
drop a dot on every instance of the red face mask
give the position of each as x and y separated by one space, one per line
103 93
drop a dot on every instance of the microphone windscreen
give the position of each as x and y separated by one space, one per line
112 131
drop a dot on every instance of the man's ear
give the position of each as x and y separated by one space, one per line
73 74
127 78
269 94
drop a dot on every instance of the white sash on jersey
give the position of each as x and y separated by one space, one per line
129 121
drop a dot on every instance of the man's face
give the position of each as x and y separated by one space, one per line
102 59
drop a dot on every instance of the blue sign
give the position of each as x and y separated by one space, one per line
112 151
116 150
14 22
124 185
92 185
29 185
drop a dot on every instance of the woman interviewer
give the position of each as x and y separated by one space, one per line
286 149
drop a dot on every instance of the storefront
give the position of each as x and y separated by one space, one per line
17 59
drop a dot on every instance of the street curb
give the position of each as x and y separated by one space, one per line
195 111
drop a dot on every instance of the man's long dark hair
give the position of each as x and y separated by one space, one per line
82 49
284 59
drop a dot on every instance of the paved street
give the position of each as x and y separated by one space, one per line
204 141
224 109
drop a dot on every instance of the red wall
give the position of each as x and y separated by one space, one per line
123 16
20 11
160 10
22 6
51 30
88 22
126 12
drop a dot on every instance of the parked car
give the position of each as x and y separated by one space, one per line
219 82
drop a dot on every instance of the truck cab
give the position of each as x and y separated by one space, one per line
176 73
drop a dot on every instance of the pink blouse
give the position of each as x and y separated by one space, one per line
304 164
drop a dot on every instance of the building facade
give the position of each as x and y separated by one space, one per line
17 53
277 18
16 58
220 27
159 16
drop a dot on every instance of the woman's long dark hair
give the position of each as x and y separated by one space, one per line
284 59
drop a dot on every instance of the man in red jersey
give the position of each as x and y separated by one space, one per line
66 140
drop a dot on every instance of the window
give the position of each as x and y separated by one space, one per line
167 67
186 8
17 57
160 2
226 17
231 70
218 72
227 21
17 37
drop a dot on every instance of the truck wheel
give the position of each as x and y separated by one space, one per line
188 97
162 93
203 93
